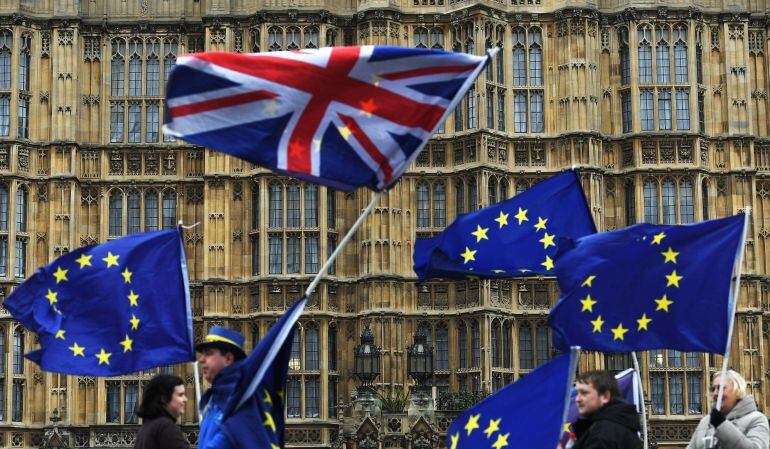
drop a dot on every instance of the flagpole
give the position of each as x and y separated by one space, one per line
573 360
638 379
196 374
734 307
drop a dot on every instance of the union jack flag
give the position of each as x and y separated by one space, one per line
340 116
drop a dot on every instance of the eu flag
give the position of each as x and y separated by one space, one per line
648 287
512 238
110 309
528 413
253 417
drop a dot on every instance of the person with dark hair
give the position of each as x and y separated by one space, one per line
221 353
163 402
606 422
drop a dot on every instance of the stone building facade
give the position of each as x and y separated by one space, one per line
662 105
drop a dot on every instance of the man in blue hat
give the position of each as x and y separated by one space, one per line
220 354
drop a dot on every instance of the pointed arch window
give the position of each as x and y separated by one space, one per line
21 209
439 205
311 348
292 38
116 213
311 37
423 205
669 201
6 49
535 57
311 206
645 54
135 51
475 344
169 209
118 68
152 86
151 211
630 192
686 207
519 57
541 340
625 58
525 346
705 198
681 74
462 346
18 351
3 207
274 39
421 38
442 347
495 344
460 197
332 347
663 54
492 191
134 212
276 205
507 337
292 205
651 202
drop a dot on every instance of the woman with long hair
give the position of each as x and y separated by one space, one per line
163 402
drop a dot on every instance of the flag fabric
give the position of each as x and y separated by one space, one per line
253 417
339 116
628 383
648 287
110 309
528 413
515 237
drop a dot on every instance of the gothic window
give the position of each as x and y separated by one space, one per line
663 52
3 207
152 122
495 344
520 111
431 199
117 116
152 87
130 397
501 108
470 104
625 103
500 62
151 211
17 398
311 254
118 68
625 58
472 195
292 38
630 191
462 346
543 352
705 198
276 205
134 122
525 346
507 337
293 398
646 108
292 253
664 109
135 50
699 64
310 37
18 350
492 191
311 348
275 254
332 398
460 197
475 344
423 205
331 245
680 54
675 382
21 209
292 205
442 347
116 213
20 270
6 48
331 347
617 362
651 202
331 207
701 112
23 119
295 359
669 202
458 116
255 255
645 54
535 57
133 219
439 205
312 397
519 57
311 206
169 209
170 50
274 39
436 39
682 109
420 38
2 356
490 107
686 207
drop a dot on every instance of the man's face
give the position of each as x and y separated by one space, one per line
588 400
212 361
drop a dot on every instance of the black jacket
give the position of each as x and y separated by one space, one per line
613 426
160 433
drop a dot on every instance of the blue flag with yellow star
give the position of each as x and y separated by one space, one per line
512 238
253 417
648 287
110 309
528 413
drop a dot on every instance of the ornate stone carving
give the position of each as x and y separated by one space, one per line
45 44
92 48
65 37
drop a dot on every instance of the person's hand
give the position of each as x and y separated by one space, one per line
717 418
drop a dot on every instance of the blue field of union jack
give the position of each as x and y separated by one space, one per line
339 116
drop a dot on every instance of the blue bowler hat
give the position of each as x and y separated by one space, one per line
223 339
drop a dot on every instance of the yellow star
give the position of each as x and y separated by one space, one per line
598 323
618 332
663 303
269 421
132 299
657 238
104 357
548 264
111 259
127 344
274 446
455 439
52 297
127 276
502 220
84 260
567 427
268 399
473 423
502 441
77 350
468 255
134 322
673 279
494 426
587 282
60 334
521 216
280 394
670 255
540 223
547 240
60 275
498 271
643 322
480 233
588 304
344 132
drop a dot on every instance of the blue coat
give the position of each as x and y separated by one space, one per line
212 403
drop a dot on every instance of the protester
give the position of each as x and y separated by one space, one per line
163 402
220 354
606 422
737 424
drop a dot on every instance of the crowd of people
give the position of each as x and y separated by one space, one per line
606 421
